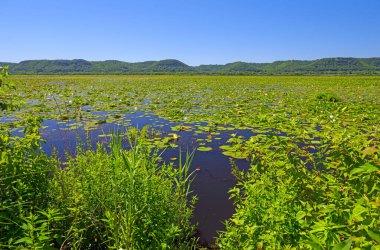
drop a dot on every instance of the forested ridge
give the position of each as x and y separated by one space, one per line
339 65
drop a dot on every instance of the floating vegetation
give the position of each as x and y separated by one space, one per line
204 149
330 97
181 128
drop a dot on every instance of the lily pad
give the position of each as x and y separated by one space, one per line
204 149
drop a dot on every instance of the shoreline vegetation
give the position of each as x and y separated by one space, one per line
103 198
313 181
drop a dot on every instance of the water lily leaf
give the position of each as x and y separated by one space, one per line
226 147
235 154
204 149
181 128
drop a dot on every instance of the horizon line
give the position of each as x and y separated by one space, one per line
287 60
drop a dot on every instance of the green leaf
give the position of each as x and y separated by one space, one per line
300 215
235 154
345 245
205 149
27 240
357 211
226 147
374 236
314 243
366 168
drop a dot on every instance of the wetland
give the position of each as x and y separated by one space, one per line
269 152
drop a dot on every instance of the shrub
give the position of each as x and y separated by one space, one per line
289 200
25 174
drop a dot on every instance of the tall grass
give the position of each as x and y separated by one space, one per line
106 198
125 199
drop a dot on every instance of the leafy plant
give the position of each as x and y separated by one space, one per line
39 230
287 201
24 183
5 87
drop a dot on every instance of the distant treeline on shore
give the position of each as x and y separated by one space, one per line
339 65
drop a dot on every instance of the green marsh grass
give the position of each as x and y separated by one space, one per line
105 198
126 198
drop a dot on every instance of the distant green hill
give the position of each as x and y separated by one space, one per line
339 65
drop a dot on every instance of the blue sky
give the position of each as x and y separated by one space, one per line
193 31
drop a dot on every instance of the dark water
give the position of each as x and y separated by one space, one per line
211 183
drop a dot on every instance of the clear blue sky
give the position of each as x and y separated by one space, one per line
193 31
